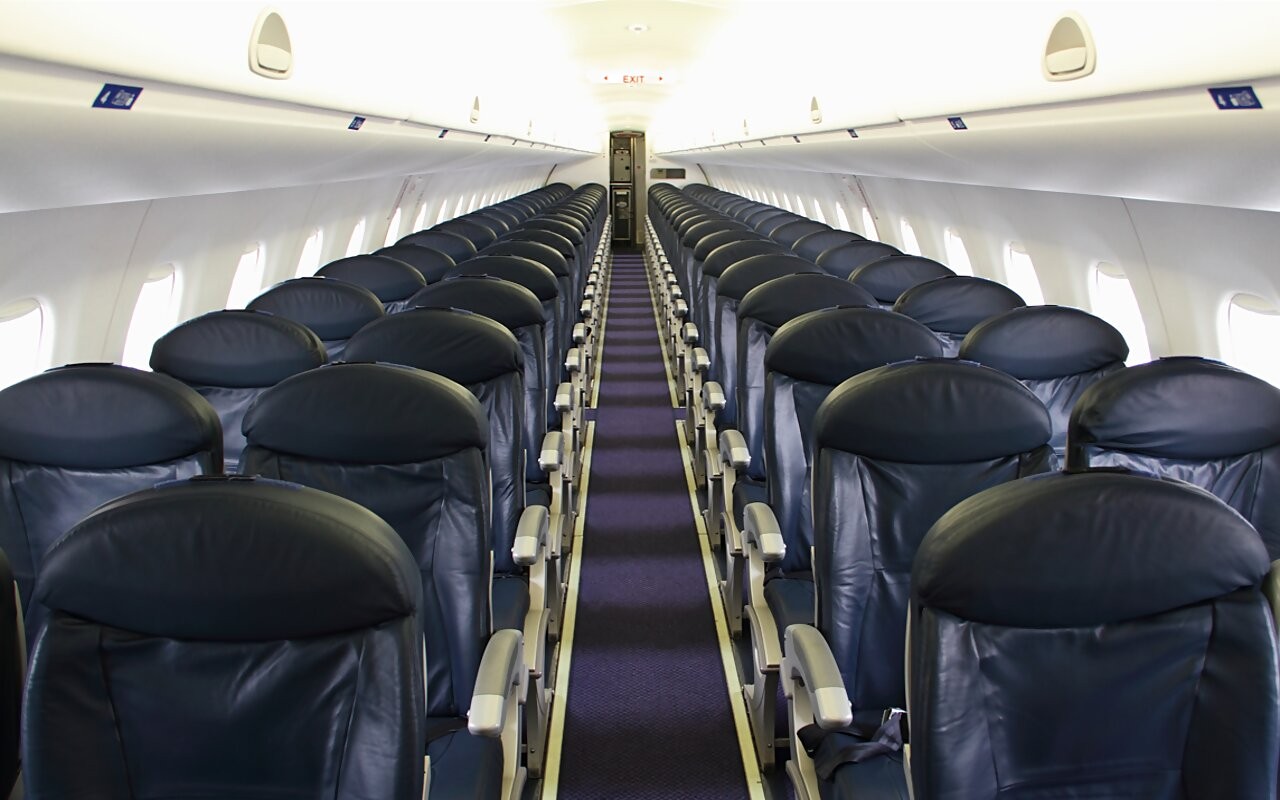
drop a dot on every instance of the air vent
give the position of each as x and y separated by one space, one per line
1069 53
815 112
475 109
270 52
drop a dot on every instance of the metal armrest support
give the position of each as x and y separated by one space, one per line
808 658
499 683
531 536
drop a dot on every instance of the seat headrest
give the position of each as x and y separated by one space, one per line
556 225
794 230
707 244
460 345
237 349
782 299
707 227
843 259
231 559
1084 549
104 416
1186 407
333 309
529 274
866 337
812 245
455 246
932 411
750 272
686 222
1040 342
550 238
430 263
493 221
955 304
469 229
546 255
508 303
769 218
888 277
366 414
383 275
568 214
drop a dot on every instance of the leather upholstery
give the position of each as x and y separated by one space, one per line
13 663
454 245
1127 611
75 437
566 280
195 627
430 263
951 307
815 244
844 259
888 277
392 281
1192 419
716 262
794 231
690 271
895 447
332 309
409 446
472 230
229 357
1057 352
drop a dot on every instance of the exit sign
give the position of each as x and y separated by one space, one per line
632 78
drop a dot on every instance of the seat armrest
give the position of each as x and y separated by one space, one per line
760 527
681 309
501 669
564 396
531 535
579 333
701 360
551 454
712 394
807 657
573 360
733 449
690 334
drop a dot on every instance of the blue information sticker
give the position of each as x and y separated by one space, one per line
118 97
957 124
853 134
356 122
1230 98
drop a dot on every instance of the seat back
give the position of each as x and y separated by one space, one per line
895 447
547 256
888 277
843 259
518 309
409 446
952 306
454 245
75 437
479 234
482 355
814 244
793 231
689 270
1057 352
430 263
1193 419
392 281
332 309
717 261
195 627
801 369
1042 609
761 312
231 357
13 668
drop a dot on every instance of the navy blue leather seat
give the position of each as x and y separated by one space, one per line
567 307
711 230
75 437
1057 352
480 235
392 281
1092 635
495 221
430 263
231 357
768 218
894 449
332 309
1193 419
717 261
575 235
843 259
814 244
13 668
454 245
795 230
888 277
952 306
227 638
409 446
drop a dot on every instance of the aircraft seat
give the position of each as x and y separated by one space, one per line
814 244
334 310
391 280
952 306
430 263
889 276
454 245
842 260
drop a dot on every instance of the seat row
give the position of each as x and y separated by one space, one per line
434 440
845 432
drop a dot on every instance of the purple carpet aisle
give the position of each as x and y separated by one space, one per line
647 712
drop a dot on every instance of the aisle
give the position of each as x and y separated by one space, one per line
647 712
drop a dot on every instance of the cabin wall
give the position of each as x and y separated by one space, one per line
1184 262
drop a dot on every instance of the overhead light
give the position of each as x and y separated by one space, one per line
637 27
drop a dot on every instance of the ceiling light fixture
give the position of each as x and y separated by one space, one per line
637 27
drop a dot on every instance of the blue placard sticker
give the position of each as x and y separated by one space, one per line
443 133
1230 98
356 122
118 97
852 133
957 124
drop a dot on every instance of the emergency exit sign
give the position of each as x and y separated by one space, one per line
632 78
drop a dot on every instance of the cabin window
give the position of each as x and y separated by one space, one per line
474 202
460 208
869 225
155 312
957 253
420 221
393 229
800 207
842 219
1112 298
786 202
355 246
309 261
1253 328
818 216
21 338
909 242
444 213
1020 275
247 283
